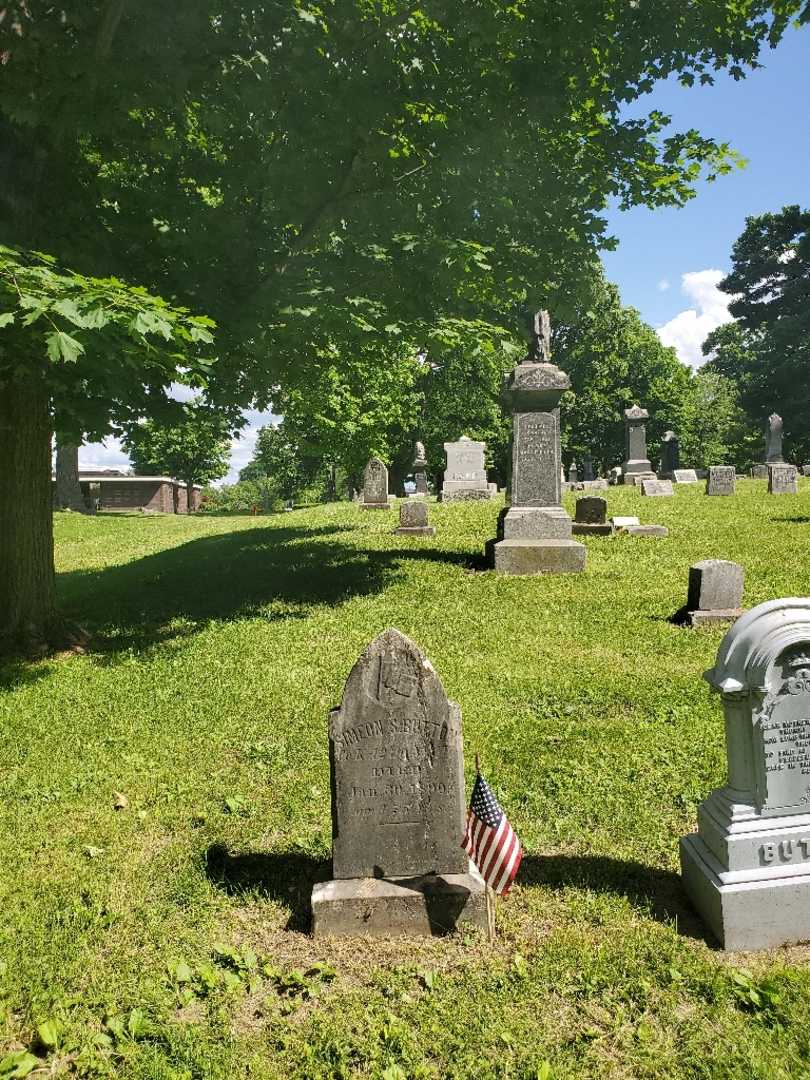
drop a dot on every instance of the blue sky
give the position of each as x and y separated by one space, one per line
669 261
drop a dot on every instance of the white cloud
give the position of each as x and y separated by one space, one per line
687 331
111 455
663 285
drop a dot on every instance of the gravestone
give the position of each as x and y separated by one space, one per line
573 474
587 467
398 804
375 486
782 480
534 531
419 465
805 470
637 465
747 869
657 487
670 455
413 519
685 476
615 475
465 476
630 526
594 485
722 480
715 592
590 517
759 472
623 521
773 440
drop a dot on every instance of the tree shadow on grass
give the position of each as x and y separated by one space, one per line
653 890
794 519
285 876
271 573
15 674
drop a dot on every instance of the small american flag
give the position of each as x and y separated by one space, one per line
489 839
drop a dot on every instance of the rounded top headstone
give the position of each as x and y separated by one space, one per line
751 648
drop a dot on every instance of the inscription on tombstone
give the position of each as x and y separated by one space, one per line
685 476
782 480
398 802
746 867
466 471
375 485
537 461
721 480
657 487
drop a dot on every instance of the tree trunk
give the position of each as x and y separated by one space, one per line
29 618
189 496
68 490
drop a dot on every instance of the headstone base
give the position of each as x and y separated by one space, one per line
635 479
584 528
709 618
757 912
467 495
415 530
530 556
428 906
375 506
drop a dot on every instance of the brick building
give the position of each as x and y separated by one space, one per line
127 493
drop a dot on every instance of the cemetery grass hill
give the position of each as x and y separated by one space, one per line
165 805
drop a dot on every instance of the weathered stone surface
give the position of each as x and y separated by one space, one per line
759 472
375 486
747 869
591 510
573 474
398 805
465 470
624 522
615 475
409 907
397 768
540 542
413 519
594 485
635 434
466 495
670 455
637 479
534 523
657 487
646 530
583 528
715 584
539 557
805 470
721 480
685 476
773 440
782 480
587 467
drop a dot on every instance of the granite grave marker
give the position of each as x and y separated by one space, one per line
722 480
782 480
375 486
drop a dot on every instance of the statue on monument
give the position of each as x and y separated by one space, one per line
540 331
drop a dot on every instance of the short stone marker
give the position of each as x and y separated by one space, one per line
685 476
413 519
657 487
615 475
747 869
590 517
573 474
465 476
631 526
805 470
715 592
398 804
782 480
721 480
759 472
375 486
624 522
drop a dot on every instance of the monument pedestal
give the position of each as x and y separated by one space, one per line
537 540
429 905
375 506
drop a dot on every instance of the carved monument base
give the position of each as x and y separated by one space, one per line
536 540
375 505
427 906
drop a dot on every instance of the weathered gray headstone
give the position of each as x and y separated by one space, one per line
646 530
587 466
594 485
375 486
573 474
685 476
624 521
534 531
590 517
782 480
419 465
773 440
747 869
398 803
721 480
670 455
759 472
636 465
657 487
805 470
465 476
615 475
413 519
715 592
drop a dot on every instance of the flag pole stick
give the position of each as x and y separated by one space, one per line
477 765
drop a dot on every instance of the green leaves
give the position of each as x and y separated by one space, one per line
6 318
62 346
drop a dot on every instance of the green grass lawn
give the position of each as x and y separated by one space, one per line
168 937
